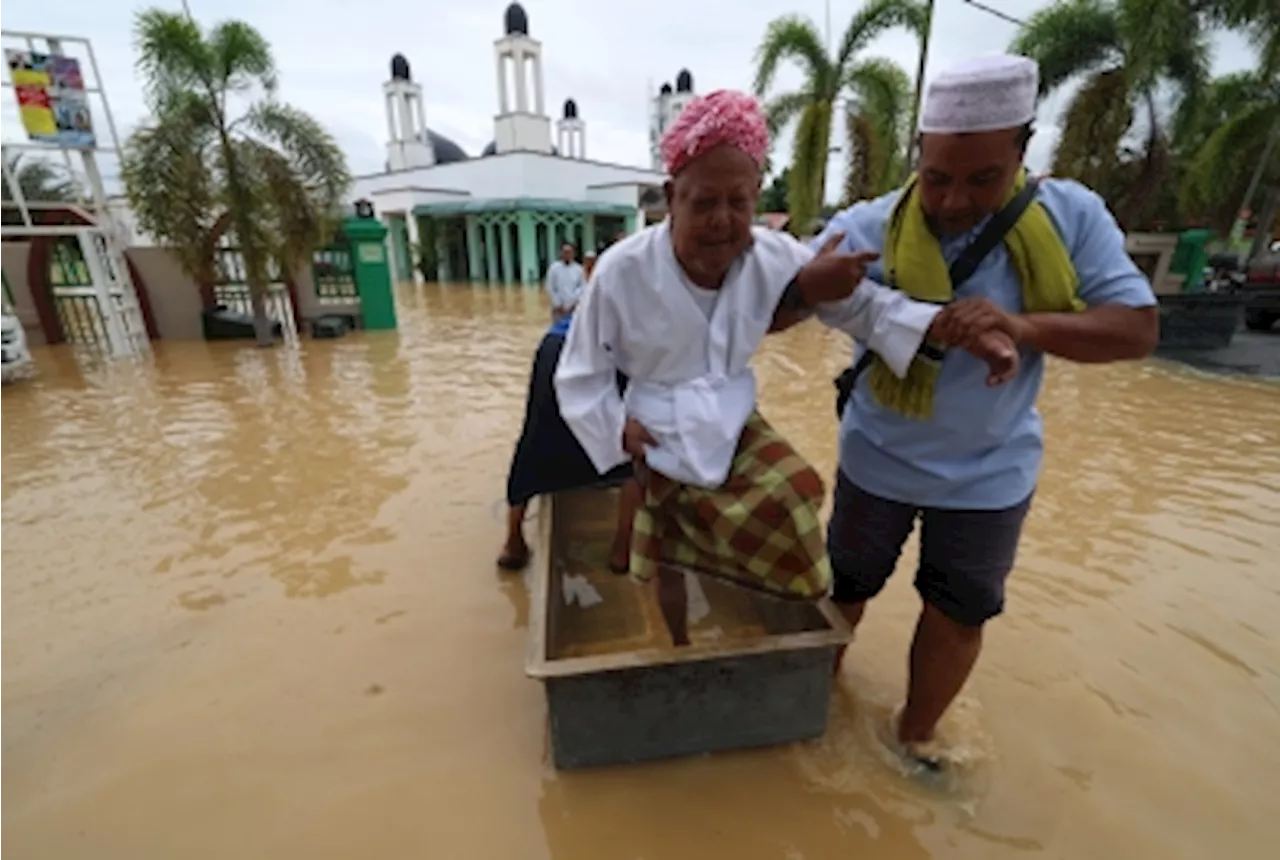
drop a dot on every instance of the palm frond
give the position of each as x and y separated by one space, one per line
882 98
1092 128
1071 38
314 157
864 154
165 168
172 55
876 17
780 110
809 153
1154 31
1218 172
793 37
40 180
242 57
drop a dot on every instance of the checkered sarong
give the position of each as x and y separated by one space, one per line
760 529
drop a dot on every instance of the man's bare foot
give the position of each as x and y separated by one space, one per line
620 560
924 751
514 556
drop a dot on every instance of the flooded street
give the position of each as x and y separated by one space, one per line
250 610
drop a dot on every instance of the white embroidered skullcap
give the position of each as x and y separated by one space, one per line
982 94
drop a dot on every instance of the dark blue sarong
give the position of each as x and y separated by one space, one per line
548 457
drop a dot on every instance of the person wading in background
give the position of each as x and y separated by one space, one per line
938 443
565 281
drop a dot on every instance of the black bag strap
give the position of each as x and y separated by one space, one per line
960 271
992 234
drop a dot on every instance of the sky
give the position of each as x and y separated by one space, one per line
333 57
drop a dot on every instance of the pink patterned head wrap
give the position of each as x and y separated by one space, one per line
724 116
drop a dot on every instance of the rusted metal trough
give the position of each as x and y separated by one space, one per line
757 671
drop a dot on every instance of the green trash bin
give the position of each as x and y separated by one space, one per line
1190 257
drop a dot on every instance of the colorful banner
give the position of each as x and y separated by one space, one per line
51 99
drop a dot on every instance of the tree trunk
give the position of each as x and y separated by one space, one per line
262 324
1266 225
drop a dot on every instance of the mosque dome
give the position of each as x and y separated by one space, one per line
447 152
400 68
516 20
665 90
570 109
684 82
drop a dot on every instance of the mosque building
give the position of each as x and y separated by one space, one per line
501 217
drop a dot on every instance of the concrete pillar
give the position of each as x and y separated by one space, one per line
508 263
491 252
443 275
415 246
588 233
504 98
553 244
473 248
528 233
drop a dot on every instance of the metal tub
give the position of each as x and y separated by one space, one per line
758 670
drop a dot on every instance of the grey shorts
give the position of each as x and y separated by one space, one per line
965 555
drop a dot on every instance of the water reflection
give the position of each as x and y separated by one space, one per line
249 598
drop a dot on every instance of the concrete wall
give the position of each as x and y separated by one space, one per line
175 298
14 256
1153 252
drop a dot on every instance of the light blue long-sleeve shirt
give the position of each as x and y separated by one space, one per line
982 447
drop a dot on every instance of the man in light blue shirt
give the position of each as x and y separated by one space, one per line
969 468
565 281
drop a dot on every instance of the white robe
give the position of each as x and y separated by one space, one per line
690 384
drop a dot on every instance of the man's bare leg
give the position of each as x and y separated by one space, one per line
628 501
674 602
515 550
942 656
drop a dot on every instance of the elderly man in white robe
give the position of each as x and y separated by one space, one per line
680 308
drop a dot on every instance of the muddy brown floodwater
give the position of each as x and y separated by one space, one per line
250 610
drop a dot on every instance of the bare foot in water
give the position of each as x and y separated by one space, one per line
514 556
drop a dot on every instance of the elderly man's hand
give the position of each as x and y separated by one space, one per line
636 439
999 352
962 322
833 275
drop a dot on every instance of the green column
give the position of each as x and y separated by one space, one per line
508 264
399 248
372 271
588 233
553 244
473 247
528 248
491 253
442 253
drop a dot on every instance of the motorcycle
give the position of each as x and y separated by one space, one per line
1224 274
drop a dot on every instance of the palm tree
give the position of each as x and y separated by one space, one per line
270 178
826 78
39 180
1129 52
1224 140
879 112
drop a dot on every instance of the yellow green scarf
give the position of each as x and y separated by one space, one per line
913 263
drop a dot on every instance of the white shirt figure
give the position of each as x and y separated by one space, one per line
685 349
564 284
